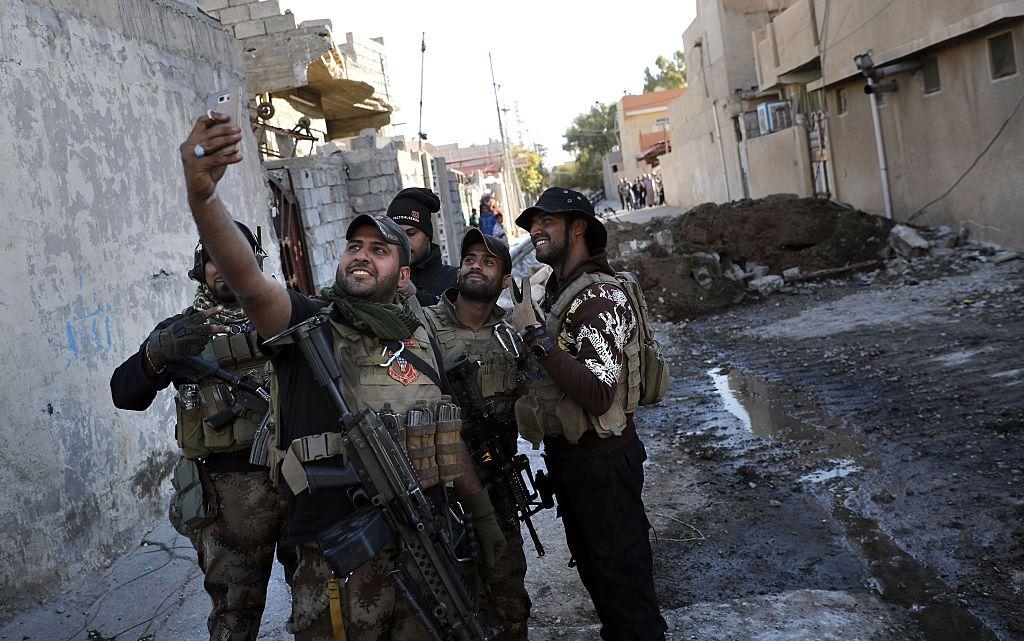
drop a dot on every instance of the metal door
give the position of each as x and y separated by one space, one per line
287 218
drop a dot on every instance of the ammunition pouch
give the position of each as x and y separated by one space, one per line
197 403
194 496
432 445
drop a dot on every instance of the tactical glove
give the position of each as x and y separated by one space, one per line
524 312
184 337
492 540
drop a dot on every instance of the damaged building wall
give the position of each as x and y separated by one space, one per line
96 243
336 186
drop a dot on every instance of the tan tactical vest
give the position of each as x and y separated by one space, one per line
497 374
237 353
546 411
426 420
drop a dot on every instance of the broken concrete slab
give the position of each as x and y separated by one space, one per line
766 284
1005 257
907 242
756 270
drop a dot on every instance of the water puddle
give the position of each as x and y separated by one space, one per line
901 580
832 450
774 414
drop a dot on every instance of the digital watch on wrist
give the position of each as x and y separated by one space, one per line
543 348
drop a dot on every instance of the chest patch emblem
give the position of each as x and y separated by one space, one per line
402 371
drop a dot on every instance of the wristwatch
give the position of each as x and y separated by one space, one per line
543 348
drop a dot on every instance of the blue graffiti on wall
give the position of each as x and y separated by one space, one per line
88 332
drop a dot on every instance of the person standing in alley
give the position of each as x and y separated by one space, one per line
588 347
231 513
414 208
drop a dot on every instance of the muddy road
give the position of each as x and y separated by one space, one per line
864 437
841 462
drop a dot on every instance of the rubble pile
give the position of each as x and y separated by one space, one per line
715 256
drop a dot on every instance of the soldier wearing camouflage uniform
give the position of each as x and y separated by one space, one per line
468 321
241 517
372 327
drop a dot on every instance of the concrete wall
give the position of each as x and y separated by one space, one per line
611 173
95 245
931 139
894 29
796 36
779 163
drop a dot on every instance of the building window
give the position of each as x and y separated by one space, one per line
930 73
841 106
1001 55
615 168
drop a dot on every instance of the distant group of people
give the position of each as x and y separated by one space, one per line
490 220
646 190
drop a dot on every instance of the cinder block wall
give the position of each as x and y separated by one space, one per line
334 187
94 248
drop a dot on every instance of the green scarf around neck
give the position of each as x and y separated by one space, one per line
228 316
394 321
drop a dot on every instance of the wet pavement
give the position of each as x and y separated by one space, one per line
841 462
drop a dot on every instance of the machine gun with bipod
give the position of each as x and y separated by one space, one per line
377 466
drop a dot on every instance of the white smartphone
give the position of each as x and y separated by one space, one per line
229 103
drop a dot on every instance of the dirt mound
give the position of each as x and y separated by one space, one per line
714 256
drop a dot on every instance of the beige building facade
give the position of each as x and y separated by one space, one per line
951 129
707 159
783 108
644 128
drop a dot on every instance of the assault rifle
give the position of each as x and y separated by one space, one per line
247 394
377 467
519 494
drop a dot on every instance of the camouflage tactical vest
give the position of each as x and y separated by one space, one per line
426 420
194 403
546 411
497 375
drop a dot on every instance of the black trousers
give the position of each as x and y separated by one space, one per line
606 530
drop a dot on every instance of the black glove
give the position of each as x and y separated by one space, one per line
184 337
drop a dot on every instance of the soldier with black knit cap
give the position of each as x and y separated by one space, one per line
227 507
414 208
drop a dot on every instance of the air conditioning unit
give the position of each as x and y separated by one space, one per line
773 116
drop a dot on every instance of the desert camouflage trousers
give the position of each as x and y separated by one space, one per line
371 605
505 604
236 551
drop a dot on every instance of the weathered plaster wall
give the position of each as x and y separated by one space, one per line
931 139
94 245
780 163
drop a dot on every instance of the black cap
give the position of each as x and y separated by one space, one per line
414 206
559 200
492 245
391 231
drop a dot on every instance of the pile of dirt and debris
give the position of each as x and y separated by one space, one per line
715 256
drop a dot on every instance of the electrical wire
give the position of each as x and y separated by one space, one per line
1002 128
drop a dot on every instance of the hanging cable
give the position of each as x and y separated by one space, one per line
984 151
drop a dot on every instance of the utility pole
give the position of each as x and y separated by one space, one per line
423 56
509 176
